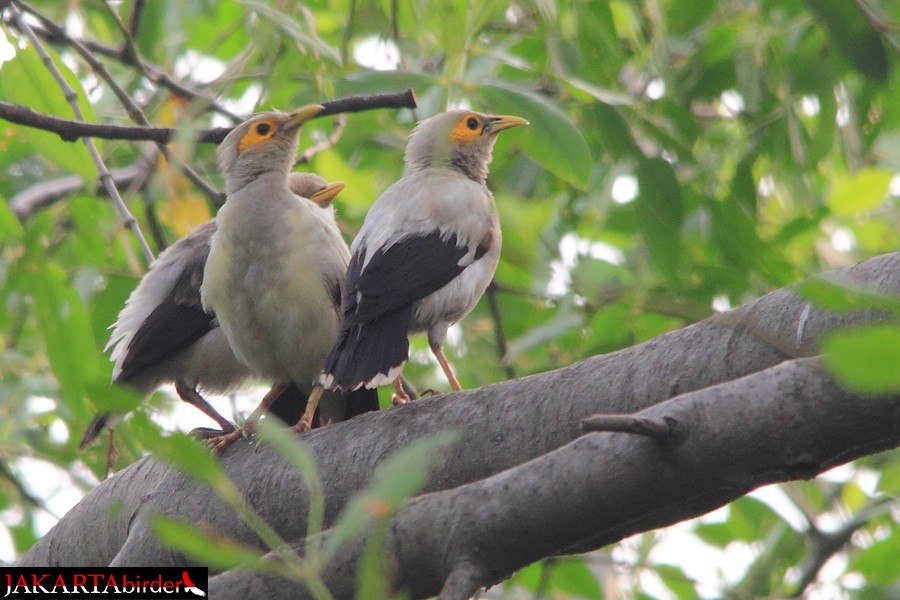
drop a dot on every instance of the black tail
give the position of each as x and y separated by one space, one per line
363 351
93 430
291 403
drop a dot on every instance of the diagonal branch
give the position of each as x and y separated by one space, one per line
502 425
72 98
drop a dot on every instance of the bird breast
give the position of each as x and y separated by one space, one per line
264 282
439 199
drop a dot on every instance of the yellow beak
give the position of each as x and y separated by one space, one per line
327 194
501 122
302 115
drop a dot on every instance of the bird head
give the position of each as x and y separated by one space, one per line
314 187
264 143
461 139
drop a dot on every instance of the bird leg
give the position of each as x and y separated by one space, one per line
112 455
439 354
399 396
192 396
312 402
221 442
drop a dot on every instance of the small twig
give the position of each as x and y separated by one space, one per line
463 581
72 98
658 429
70 130
879 24
30 200
133 110
823 545
340 122
54 33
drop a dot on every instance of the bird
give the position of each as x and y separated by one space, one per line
276 267
163 335
426 252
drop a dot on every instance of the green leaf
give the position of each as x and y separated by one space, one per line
660 211
572 576
399 477
865 190
865 360
552 140
27 81
10 228
207 548
844 295
853 36
66 329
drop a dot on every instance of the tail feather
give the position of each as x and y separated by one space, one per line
365 354
93 430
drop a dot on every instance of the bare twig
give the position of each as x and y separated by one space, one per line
28 201
340 122
823 545
661 429
54 33
72 98
70 130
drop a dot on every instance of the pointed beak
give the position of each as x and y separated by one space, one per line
302 115
501 122
327 194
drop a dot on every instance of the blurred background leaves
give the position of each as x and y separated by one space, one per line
684 156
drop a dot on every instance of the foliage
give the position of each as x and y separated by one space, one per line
683 154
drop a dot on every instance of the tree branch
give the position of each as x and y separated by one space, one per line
797 424
72 97
509 424
70 130
662 429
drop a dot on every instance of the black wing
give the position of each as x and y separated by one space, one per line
407 271
377 307
178 321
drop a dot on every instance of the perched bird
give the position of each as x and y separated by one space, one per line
163 334
276 268
426 252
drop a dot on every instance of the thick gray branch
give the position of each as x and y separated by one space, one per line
501 426
788 422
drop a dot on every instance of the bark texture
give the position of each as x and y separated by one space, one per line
521 480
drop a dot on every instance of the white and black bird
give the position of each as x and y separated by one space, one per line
425 254
163 334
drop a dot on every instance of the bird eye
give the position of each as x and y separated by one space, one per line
263 128
472 123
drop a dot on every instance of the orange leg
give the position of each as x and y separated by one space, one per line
312 402
221 442
439 354
399 396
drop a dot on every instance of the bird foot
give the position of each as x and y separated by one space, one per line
398 400
431 392
218 444
302 426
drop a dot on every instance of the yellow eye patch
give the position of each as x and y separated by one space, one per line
467 128
258 132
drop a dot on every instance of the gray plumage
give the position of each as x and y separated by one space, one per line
163 335
276 267
426 252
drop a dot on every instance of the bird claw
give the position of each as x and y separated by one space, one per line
398 400
431 392
302 426
220 443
